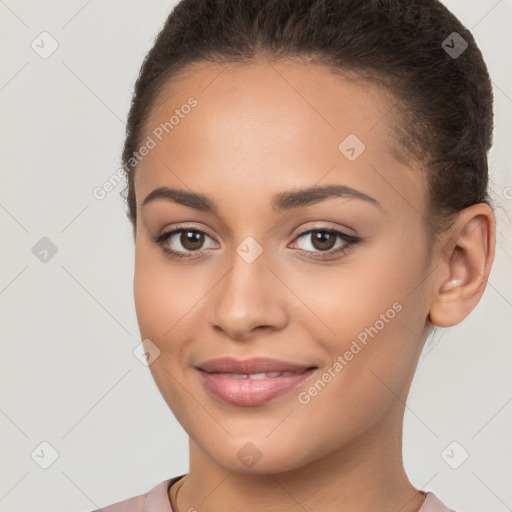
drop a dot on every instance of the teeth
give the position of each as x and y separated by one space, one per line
274 374
259 376
256 376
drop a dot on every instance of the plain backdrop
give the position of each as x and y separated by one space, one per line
69 378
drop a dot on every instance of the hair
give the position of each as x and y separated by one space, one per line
443 109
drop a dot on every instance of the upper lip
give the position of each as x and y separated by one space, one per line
250 366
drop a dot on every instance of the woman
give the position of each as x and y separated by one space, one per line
307 185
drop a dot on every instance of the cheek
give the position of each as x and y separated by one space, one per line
150 302
163 294
370 289
161 308
372 359
373 312
168 300
145 282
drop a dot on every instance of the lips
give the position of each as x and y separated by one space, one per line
251 382
251 366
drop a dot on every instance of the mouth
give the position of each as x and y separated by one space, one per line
255 365
257 376
251 382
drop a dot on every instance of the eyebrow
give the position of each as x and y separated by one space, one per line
283 201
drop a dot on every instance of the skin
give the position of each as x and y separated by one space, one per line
259 130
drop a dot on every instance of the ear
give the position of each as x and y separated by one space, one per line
463 265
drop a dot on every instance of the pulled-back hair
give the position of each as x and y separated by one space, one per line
443 108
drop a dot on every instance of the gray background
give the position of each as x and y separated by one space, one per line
68 373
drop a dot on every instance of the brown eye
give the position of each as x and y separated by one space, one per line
323 240
184 242
320 240
325 243
191 240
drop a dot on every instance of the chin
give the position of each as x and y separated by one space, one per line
258 457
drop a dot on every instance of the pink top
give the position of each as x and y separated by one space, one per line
157 500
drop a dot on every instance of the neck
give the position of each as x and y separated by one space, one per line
365 476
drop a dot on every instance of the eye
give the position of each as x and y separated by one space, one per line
190 239
321 242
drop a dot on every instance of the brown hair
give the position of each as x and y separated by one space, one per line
444 100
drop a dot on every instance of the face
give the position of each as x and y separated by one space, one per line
333 280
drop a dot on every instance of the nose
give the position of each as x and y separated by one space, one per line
248 300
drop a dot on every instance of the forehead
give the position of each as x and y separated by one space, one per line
268 125
238 98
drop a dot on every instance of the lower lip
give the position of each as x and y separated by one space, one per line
251 392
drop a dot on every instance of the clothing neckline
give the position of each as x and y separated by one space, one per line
158 499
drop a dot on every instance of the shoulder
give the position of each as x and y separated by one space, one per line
155 500
434 504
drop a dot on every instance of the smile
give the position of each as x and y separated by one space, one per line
249 390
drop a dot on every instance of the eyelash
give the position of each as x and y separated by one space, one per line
349 240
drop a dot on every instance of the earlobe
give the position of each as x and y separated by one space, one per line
464 266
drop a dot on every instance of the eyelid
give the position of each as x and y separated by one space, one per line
182 227
324 227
